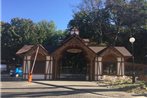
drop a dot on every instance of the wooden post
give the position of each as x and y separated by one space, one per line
47 67
24 67
100 67
28 65
30 74
51 68
96 68
118 66
123 67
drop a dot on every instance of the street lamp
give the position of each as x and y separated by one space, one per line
13 59
132 40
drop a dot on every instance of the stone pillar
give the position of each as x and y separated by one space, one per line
28 66
24 67
118 66
123 67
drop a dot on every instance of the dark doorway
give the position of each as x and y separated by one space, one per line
110 65
40 63
39 67
73 66
109 68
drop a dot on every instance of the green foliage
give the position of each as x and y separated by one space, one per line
113 22
21 32
110 23
44 30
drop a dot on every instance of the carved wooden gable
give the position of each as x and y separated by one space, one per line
41 51
111 51
75 42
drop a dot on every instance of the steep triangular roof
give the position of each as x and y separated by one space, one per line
124 51
118 51
73 41
24 49
29 49
97 49
71 37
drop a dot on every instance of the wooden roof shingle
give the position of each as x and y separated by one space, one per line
24 49
30 48
123 51
97 49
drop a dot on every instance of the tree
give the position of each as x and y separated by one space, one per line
44 30
23 31
113 22
20 32
91 20
14 35
47 33
6 41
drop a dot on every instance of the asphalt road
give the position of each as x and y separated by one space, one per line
59 89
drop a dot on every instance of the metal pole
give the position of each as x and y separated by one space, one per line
133 75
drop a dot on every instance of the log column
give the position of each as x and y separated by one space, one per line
24 67
47 67
51 68
119 66
123 67
99 67
96 68
28 66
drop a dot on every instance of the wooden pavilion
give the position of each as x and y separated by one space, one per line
74 59
43 64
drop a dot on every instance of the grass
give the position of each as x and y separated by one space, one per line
125 84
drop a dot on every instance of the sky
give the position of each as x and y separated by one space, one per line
60 11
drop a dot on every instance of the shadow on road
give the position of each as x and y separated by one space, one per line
53 90
66 90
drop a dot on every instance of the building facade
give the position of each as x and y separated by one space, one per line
74 59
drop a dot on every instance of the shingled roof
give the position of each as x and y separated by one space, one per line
27 48
97 49
24 49
123 51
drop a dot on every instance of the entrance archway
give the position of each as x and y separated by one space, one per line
73 65
75 45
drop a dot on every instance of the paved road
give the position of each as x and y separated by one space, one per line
59 89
